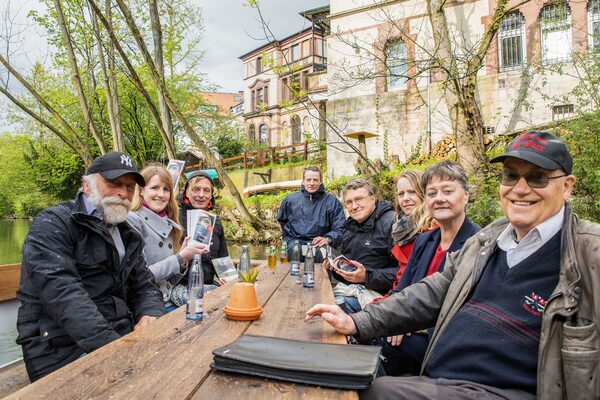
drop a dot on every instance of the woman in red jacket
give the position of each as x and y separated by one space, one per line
412 216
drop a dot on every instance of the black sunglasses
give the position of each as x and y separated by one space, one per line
536 181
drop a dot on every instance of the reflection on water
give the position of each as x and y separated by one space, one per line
9 350
12 235
258 251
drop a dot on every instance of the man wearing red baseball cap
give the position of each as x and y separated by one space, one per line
517 310
84 279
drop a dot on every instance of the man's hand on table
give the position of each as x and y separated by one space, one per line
145 320
334 316
320 241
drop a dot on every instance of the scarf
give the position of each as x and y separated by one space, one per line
404 230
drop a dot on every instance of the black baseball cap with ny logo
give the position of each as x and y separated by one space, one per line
113 165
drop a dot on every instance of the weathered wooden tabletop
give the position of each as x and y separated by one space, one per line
170 358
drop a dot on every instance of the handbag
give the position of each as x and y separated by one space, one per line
339 366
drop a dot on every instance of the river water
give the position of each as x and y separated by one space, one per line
12 234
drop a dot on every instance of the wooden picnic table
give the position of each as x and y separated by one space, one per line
170 358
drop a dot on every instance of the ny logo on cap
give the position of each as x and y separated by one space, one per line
126 160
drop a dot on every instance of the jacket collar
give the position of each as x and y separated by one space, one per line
162 226
465 231
318 194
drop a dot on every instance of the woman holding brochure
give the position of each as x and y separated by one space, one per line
153 214
198 195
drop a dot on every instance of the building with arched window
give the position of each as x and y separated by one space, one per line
382 76
285 83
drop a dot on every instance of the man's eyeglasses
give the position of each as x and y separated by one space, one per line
359 201
535 181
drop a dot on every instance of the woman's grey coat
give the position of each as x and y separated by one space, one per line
158 248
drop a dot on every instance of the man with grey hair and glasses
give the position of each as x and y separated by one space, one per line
84 279
517 310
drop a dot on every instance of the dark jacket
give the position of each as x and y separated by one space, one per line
416 269
304 216
371 243
218 246
76 295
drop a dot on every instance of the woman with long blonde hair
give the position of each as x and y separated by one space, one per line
153 213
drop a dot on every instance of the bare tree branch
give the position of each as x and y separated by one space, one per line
169 146
76 78
191 132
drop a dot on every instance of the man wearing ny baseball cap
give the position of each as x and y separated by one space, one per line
84 279
517 310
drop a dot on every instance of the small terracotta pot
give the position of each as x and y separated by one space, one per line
243 304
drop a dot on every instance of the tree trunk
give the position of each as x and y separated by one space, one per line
460 84
77 79
160 66
170 148
110 90
191 132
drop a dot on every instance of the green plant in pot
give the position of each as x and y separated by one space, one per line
250 275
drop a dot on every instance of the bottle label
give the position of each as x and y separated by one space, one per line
295 268
309 279
194 309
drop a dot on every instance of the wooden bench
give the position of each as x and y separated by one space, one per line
9 281
171 357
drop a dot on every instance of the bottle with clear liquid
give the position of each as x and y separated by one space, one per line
244 263
309 268
295 259
195 294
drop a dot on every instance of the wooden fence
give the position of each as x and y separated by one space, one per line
262 157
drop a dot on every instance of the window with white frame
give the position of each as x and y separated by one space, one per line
260 97
556 32
263 131
594 24
562 111
396 65
259 66
295 52
511 42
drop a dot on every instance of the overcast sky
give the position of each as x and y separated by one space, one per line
232 30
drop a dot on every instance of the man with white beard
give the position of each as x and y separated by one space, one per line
84 279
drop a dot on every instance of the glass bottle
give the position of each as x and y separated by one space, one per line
272 260
284 253
195 295
244 263
295 259
309 268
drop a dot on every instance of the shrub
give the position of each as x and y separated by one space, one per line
583 141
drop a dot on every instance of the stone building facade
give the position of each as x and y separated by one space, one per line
284 83
379 81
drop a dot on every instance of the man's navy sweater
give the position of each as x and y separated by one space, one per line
494 337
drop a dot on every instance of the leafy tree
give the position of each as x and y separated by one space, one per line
20 191
582 138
